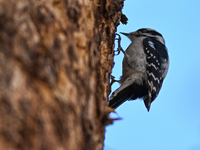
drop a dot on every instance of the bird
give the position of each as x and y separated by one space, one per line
145 66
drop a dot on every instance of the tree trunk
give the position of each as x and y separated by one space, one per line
56 58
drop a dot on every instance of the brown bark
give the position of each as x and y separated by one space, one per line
56 58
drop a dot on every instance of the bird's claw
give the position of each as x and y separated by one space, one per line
119 48
113 80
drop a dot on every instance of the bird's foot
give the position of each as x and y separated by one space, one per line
113 80
119 48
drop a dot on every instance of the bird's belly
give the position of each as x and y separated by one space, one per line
134 66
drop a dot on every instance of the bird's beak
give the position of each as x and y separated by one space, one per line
126 34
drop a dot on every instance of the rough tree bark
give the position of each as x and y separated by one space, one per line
56 58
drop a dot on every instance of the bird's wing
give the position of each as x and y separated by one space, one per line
155 52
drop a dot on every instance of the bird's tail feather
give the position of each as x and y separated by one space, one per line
117 100
122 94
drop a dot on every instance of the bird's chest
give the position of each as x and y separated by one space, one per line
136 58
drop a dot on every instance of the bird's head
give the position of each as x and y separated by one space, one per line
145 32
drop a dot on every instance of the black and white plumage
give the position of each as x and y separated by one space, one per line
145 65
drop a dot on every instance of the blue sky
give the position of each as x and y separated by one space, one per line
173 122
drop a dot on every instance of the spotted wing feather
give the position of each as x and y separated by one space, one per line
156 53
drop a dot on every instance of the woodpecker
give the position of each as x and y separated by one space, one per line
145 65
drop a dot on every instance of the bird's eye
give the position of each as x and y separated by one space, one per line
144 30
